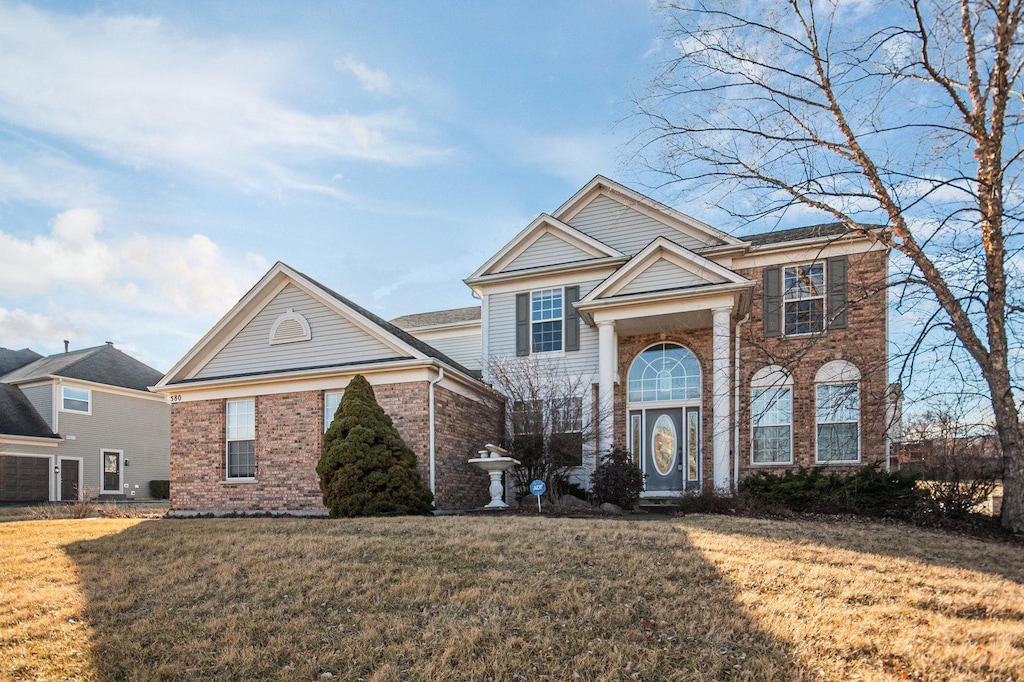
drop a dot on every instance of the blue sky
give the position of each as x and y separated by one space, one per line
157 157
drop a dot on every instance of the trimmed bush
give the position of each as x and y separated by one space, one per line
617 479
161 490
366 469
869 491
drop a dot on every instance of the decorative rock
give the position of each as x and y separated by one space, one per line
609 508
571 501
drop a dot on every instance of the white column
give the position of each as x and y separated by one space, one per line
720 404
606 385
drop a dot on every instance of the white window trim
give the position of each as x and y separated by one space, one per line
840 373
227 467
561 319
768 378
823 297
88 393
329 417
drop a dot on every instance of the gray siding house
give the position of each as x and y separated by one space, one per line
81 423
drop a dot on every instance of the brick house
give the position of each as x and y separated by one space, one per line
709 356
251 400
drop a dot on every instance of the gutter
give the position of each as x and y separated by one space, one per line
736 411
433 453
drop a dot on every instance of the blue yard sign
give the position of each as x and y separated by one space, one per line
537 488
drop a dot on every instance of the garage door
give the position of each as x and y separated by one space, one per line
24 479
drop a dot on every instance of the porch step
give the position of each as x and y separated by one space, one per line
659 505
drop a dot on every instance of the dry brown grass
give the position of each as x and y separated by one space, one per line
505 598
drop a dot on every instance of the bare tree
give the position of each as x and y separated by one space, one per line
548 419
905 113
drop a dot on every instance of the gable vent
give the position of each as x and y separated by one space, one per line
290 327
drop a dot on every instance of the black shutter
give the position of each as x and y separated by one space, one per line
772 308
522 324
572 319
836 293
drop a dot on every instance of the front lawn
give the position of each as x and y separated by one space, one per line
505 598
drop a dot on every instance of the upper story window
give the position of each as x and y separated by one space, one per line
241 438
546 320
331 401
804 294
806 298
76 399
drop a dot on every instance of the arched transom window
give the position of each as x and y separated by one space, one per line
664 372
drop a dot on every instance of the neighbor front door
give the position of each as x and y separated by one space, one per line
69 484
111 472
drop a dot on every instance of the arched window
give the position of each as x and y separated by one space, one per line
837 412
771 416
664 372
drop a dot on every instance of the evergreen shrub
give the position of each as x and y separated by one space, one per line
618 479
869 491
161 490
366 469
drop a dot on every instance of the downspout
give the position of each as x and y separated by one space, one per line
736 412
430 390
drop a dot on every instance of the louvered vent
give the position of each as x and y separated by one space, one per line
290 327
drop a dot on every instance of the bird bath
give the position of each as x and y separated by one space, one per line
495 461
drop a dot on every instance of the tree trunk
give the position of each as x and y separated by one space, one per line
1008 430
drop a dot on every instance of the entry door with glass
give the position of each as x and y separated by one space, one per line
669 447
111 471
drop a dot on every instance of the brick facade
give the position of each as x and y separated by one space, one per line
862 343
289 437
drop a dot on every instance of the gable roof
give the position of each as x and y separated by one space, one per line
686 224
18 417
706 271
11 360
807 232
538 227
438 317
280 274
100 364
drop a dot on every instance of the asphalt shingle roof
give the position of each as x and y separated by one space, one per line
798 233
11 360
100 364
18 417
437 317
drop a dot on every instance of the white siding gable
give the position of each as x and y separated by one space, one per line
335 340
547 250
663 275
626 229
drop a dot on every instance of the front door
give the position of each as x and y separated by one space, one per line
111 471
668 440
69 484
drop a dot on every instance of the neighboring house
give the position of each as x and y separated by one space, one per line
709 356
77 422
252 399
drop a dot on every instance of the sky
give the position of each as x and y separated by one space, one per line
156 158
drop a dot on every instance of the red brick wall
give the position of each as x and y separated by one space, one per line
862 343
464 426
289 436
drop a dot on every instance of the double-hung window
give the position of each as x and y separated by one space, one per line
241 438
75 399
804 298
771 416
838 418
546 320
331 401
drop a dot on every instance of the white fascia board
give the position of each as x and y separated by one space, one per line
103 388
539 226
8 439
651 306
654 209
661 248
804 250
547 277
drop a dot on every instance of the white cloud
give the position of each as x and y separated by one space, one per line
27 330
146 273
574 158
133 90
372 80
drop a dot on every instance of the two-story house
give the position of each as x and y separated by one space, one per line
707 355
80 422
